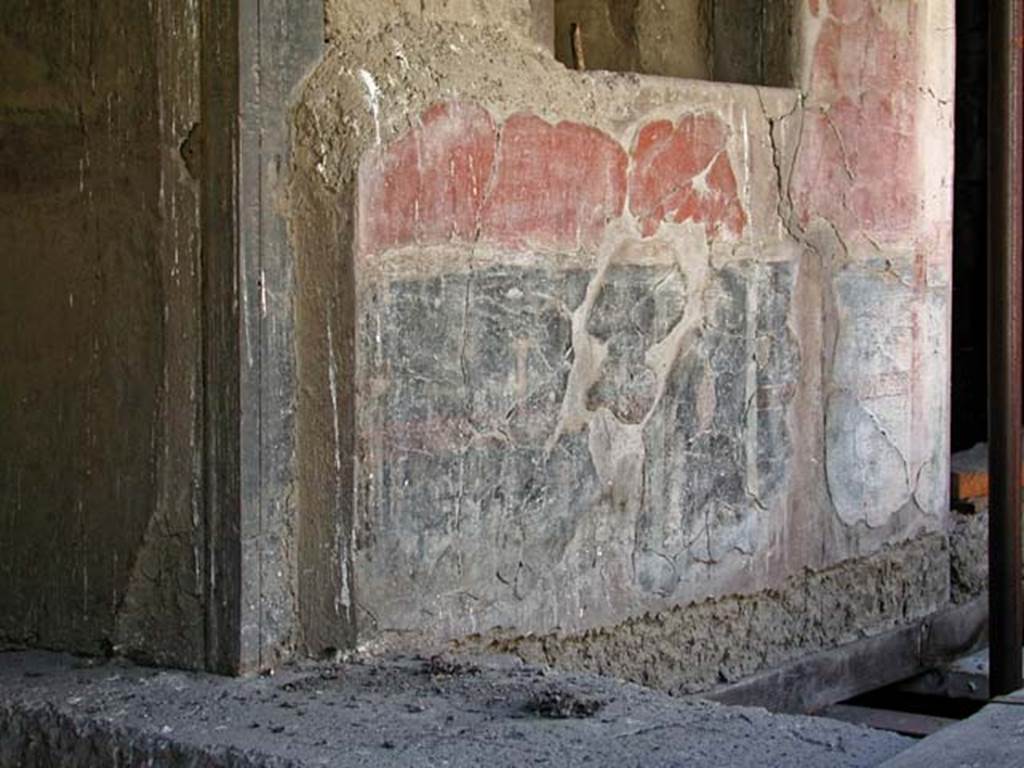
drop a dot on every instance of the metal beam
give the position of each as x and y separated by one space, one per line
1004 329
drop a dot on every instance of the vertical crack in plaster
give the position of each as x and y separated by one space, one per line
832 316
783 178
843 152
786 213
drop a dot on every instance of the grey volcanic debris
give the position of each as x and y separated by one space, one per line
400 712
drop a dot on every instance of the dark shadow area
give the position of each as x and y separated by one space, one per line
736 41
969 373
892 698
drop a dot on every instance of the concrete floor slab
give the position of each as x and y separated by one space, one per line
56 710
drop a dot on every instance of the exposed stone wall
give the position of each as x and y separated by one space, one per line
580 348
99 388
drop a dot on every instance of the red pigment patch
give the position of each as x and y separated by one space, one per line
857 162
427 187
551 186
555 186
682 173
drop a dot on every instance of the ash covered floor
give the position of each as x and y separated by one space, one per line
56 710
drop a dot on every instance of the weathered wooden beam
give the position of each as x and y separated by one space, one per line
253 56
822 679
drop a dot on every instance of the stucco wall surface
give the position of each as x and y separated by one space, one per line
577 348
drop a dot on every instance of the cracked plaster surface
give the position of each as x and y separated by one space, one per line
528 460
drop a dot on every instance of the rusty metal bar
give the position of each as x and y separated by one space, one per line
1004 329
